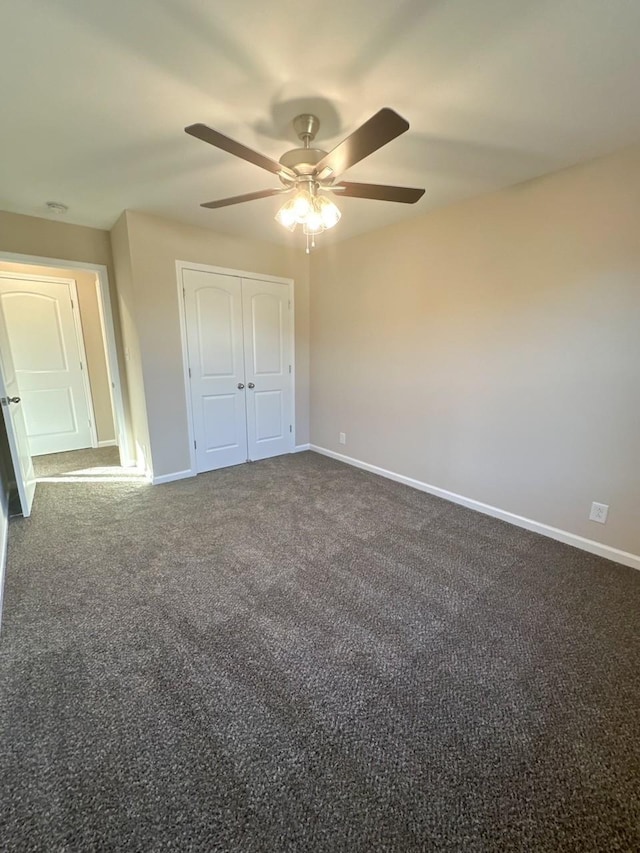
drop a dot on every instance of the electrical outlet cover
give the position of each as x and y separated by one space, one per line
599 512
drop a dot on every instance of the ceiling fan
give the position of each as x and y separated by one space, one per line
308 173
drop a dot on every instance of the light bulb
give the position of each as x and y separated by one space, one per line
328 211
313 224
286 215
302 206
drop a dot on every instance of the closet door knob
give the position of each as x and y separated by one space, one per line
251 385
240 386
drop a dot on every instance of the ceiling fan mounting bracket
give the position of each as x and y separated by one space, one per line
306 127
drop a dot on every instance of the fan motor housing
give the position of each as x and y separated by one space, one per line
302 160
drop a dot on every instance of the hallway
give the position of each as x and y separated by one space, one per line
93 465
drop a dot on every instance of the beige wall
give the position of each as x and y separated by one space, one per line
46 238
131 343
493 349
154 245
92 336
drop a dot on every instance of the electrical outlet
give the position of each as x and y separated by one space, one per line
599 512
343 438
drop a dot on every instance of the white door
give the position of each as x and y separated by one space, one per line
239 337
43 338
267 359
12 411
213 315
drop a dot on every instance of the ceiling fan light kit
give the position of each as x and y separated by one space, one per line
315 213
306 171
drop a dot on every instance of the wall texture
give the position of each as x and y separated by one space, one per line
154 245
92 336
493 349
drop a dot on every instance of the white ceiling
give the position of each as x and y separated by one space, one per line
96 93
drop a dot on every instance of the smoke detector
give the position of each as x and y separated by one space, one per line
57 207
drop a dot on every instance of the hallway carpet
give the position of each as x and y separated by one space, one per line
294 655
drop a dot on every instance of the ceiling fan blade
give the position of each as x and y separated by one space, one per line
381 128
238 199
207 134
380 192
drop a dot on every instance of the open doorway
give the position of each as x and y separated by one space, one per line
59 340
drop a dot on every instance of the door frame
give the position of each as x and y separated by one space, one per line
103 290
77 325
187 265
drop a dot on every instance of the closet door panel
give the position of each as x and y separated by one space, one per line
213 315
268 348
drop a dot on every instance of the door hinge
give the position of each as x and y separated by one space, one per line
81 367
189 369
289 305
194 444
290 428
72 305
289 368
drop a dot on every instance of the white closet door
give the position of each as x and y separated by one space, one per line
213 315
46 355
267 357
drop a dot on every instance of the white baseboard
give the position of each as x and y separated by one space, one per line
618 556
300 447
110 443
169 478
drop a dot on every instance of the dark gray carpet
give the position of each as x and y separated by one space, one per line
297 656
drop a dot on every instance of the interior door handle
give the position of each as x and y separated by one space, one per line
251 385
240 386
7 400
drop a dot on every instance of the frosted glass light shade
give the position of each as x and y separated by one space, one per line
287 216
328 211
